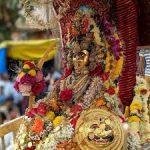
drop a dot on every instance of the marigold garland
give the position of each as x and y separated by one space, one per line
139 117
108 64
117 69
50 116
136 105
134 119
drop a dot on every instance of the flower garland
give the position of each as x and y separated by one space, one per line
111 98
113 39
59 134
133 141
117 68
109 59
116 46
139 111
43 128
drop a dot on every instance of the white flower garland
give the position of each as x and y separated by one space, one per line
59 134
133 141
21 138
114 101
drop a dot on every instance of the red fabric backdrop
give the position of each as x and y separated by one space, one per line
126 11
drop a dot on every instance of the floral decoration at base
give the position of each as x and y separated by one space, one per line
44 128
139 111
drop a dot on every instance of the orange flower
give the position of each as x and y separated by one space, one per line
100 103
38 125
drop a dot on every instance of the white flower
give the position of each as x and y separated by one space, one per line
61 133
22 141
30 144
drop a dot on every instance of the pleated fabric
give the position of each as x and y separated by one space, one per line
126 11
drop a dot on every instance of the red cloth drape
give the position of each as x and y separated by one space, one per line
126 11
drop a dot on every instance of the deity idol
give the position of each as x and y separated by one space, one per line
83 110
90 61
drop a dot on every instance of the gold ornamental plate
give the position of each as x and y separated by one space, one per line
99 129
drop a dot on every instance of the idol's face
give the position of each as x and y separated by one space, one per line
80 60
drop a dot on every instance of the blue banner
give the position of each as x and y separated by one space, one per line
3 61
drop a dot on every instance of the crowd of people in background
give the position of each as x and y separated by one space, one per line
12 103
10 100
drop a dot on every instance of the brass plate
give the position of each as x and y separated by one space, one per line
99 129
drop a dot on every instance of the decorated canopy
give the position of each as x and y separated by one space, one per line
30 50
26 50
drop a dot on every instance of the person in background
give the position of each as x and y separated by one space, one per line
2 117
9 91
2 96
18 98
10 109
52 76
8 138
144 65
7 85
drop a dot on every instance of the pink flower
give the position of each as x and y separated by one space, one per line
25 89
42 109
27 79
38 87
66 95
